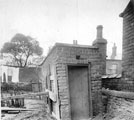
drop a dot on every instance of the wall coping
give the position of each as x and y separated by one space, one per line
111 76
67 45
120 94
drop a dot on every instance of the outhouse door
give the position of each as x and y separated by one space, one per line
79 92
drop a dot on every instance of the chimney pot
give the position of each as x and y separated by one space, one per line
75 42
114 51
99 31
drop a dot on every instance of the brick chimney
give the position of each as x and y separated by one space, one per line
75 42
114 49
101 43
99 37
99 31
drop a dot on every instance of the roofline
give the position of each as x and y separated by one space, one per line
113 60
67 45
122 14
20 67
48 55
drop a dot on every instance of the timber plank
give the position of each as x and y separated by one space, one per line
16 109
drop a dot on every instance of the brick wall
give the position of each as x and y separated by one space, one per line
67 56
111 83
128 46
118 83
60 56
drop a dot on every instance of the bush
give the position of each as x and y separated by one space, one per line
6 87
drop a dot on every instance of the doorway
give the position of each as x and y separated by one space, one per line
79 92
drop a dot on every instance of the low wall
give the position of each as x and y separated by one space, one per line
111 83
118 105
29 74
117 83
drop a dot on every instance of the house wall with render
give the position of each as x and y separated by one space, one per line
9 74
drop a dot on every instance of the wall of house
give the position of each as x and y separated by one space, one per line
128 46
49 82
9 74
68 56
113 66
58 58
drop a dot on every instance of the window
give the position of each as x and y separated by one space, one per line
114 69
50 78
52 106
52 85
10 71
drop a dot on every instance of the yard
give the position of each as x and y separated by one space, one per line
41 112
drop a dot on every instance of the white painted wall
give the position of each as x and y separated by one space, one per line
11 71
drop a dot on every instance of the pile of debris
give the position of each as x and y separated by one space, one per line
120 105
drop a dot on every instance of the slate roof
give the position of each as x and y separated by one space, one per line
130 4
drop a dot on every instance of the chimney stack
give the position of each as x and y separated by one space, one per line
114 50
99 31
99 37
75 42
101 43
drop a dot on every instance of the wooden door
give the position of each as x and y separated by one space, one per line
79 97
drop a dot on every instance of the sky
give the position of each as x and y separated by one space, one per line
51 21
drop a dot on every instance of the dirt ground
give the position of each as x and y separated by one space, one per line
41 112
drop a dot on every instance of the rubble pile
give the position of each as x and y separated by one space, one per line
119 109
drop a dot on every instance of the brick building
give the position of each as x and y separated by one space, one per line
128 47
72 76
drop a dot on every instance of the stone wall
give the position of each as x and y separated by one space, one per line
118 105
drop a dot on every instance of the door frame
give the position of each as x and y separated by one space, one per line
89 86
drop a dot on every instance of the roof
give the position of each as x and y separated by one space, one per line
130 4
67 45
111 76
113 60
